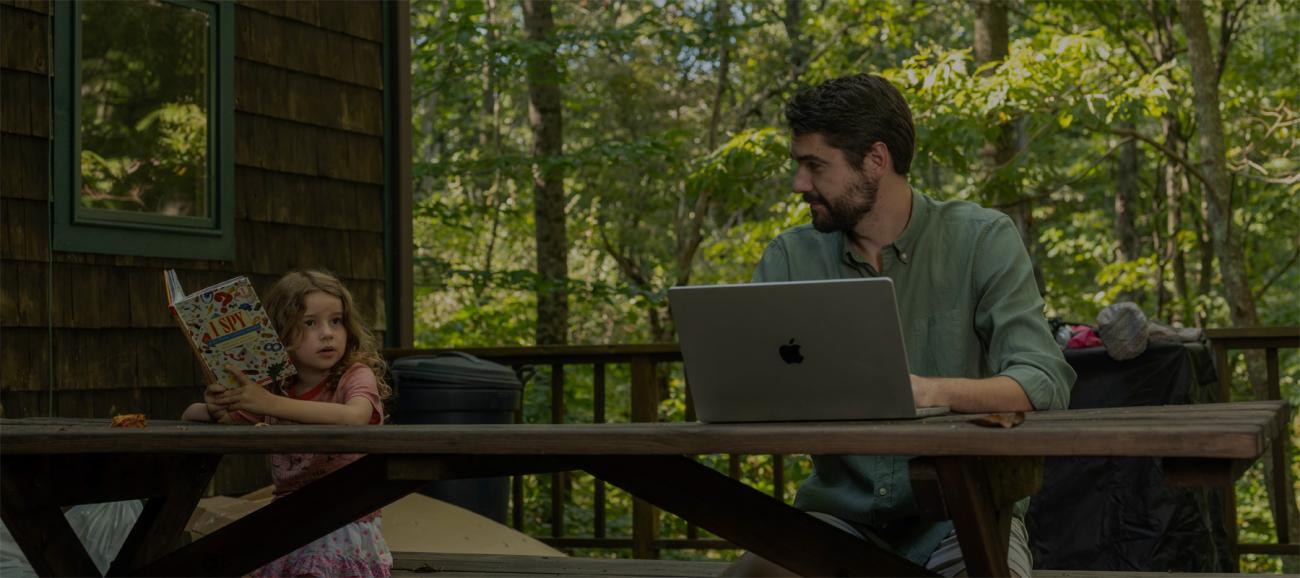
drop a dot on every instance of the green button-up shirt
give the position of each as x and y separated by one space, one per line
969 308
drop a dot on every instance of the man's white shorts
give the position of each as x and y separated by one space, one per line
946 559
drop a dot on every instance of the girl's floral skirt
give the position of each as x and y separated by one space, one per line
355 550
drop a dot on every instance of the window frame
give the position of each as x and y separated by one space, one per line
88 230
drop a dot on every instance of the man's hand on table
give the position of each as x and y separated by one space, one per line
994 394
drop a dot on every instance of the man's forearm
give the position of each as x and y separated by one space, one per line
994 394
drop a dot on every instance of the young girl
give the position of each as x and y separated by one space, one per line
339 381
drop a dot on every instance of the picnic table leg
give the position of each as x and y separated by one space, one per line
370 483
747 517
158 529
291 522
35 489
45 537
978 494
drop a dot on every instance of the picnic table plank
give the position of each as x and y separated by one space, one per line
649 459
1240 432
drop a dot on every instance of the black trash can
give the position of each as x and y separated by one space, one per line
458 388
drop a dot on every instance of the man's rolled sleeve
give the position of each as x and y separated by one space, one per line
774 265
1009 318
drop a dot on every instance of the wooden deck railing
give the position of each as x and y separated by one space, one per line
645 361
1270 340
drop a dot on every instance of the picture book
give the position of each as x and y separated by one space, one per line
226 326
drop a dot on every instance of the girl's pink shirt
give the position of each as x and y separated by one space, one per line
293 471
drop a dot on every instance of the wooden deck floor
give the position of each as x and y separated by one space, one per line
420 565
409 564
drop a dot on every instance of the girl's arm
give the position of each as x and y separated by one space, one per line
356 411
202 412
197 412
254 398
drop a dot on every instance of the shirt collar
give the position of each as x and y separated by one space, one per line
905 243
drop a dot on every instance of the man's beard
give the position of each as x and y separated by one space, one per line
844 213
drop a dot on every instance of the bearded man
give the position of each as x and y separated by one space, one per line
972 316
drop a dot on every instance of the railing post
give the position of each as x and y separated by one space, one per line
1229 510
1281 479
559 479
778 477
645 408
517 482
598 416
1276 469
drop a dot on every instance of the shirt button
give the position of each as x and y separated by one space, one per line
903 256
883 491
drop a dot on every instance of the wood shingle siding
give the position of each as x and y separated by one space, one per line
25 353
309 201
22 46
25 91
286 146
26 223
295 45
21 155
24 301
307 99
90 334
342 17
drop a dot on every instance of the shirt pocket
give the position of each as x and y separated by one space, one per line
937 345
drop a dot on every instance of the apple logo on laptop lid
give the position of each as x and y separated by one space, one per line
790 353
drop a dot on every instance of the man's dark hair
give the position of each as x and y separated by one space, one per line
853 113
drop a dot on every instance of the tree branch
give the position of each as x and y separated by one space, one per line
1278 275
1228 25
755 101
1168 152
1098 11
626 264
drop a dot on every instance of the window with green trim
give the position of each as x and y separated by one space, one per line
144 141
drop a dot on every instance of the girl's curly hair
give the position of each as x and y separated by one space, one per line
286 303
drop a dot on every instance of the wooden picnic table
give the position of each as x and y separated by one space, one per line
969 473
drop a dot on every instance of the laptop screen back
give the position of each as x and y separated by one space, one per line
794 351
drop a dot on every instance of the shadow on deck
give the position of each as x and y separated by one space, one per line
414 564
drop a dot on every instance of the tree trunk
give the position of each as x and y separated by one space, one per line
1126 194
490 138
798 49
546 120
429 147
690 225
1205 280
1176 189
992 45
1232 260
721 20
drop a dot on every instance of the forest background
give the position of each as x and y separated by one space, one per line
576 159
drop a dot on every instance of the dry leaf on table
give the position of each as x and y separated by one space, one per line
131 420
1003 420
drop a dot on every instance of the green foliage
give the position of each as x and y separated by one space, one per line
679 174
144 123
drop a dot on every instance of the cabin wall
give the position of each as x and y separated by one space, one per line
89 335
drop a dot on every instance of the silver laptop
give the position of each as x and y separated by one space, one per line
795 351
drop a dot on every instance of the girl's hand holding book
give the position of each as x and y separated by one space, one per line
249 396
215 409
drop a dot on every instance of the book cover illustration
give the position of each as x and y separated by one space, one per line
226 325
